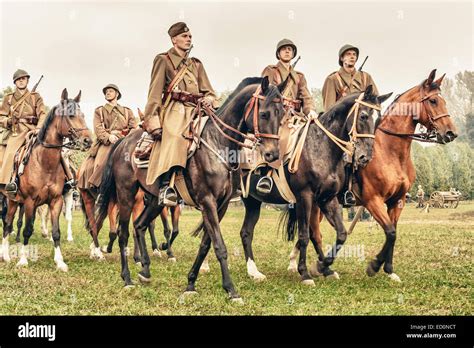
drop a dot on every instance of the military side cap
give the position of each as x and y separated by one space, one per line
283 43
177 28
19 74
346 48
111 85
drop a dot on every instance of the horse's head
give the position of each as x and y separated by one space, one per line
72 124
360 124
264 114
433 112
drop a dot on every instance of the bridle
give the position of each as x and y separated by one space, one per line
430 136
254 104
73 133
254 138
349 146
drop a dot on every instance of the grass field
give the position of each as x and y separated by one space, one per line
433 257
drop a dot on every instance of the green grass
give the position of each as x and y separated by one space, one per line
433 257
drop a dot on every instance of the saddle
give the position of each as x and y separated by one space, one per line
23 154
145 144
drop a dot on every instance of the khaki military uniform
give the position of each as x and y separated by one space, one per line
341 83
28 115
297 85
172 149
108 119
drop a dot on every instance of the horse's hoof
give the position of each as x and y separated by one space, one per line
157 253
394 277
70 239
370 271
172 259
190 293
314 271
144 279
308 282
333 275
62 267
258 277
237 300
22 263
292 269
6 258
129 286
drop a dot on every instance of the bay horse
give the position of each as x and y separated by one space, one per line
211 179
321 176
42 181
390 174
94 224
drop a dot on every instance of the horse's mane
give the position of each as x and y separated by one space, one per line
47 123
244 83
336 109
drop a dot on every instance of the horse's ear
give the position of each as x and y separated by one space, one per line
282 86
64 94
369 91
264 85
140 113
384 97
440 80
78 97
430 79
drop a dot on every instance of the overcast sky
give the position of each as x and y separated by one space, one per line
88 44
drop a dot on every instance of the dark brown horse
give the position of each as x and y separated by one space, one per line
321 175
42 181
211 179
390 174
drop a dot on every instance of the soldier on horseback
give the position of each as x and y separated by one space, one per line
296 96
112 121
177 84
345 81
22 112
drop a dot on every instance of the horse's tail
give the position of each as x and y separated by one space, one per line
107 185
289 221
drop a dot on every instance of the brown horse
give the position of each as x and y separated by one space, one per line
42 181
94 224
390 173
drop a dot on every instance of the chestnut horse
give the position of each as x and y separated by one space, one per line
42 180
390 173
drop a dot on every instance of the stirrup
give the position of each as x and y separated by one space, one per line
349 199
168 197
265 185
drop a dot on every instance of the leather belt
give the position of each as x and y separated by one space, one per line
185 97
28 120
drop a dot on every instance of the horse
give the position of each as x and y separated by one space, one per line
42 181
44 211
390 174
210 178
320 177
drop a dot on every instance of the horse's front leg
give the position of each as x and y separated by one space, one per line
69 201
376 207
29 211
252 214
333 212
151 211
7 230
55 208
303 214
